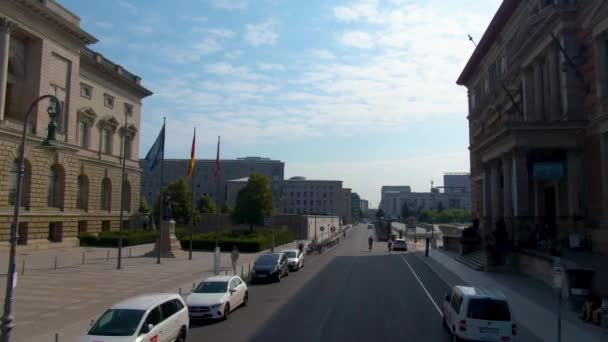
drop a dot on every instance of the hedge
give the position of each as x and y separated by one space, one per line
110 239
245 241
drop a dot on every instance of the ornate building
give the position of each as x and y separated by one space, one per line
74 188
538 122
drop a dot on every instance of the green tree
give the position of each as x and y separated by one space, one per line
254 201
206 205
405 212
143 206
440 207
181 201
226 209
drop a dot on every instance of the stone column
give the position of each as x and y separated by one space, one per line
495 192
538 91
5 37
507 168
571 85
487 205
573 181
521 205
554 84
528 93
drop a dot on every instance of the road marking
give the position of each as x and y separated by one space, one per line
424 288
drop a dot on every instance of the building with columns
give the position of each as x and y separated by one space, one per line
538 121
76 187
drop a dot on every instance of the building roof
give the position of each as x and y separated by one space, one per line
143 302
238 160
505 11
303 179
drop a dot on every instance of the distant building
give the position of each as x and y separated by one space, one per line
455 194
364 206
347 205
312 196
204 176
355 204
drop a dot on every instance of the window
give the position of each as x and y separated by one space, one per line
82 227
154 318
486 86
488 309
83 134
473 100
108 100
12 183
106 140
128 109
86 90
117 322
178 304
54 187
503 64
128 146
105 226
82 192
168 309
456 302
106 194
55 232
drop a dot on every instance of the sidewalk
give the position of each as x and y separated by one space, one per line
64 301
534 304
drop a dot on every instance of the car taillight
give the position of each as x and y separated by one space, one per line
505 338
463 325
514 329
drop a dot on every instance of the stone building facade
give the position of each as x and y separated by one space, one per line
76 187
538 121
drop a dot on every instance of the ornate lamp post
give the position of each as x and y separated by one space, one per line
50 142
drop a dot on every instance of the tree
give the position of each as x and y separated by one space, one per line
379 213
143 206
254 202
206 205
226 209
181 201
405 212
440 207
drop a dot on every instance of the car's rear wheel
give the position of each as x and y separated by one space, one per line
246 298
286 271
182 335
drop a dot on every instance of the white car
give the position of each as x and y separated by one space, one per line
295 259
479 314
216 297
159 317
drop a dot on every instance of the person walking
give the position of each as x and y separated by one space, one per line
234 257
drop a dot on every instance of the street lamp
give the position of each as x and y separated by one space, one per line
53 110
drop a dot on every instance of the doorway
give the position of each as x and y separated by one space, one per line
55 232
550 205
22 231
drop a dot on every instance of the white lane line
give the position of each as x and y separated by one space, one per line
424 288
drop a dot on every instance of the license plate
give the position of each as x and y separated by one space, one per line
488 330
261 276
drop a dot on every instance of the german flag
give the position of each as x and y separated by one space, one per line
192 157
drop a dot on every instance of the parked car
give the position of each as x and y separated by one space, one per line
479 314
295 259
216 297
152 317
270 266
400 245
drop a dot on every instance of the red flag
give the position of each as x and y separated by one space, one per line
192 157
217 161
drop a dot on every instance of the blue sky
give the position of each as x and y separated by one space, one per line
358 90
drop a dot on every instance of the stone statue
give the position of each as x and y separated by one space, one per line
168 211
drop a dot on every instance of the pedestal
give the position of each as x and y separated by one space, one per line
169 244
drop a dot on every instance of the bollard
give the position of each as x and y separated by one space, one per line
193 285
242 269
179 291
129 252
249 271
108 255
226 272
55 262
56 337
23 267
83 258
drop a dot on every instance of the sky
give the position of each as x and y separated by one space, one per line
362 91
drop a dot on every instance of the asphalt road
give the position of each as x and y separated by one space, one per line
345 294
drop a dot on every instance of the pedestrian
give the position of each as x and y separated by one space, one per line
234 257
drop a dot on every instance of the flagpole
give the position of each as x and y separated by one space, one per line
192 188
217 184
162 195
122 193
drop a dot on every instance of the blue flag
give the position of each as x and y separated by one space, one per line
157 151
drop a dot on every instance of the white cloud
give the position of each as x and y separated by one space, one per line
220 32
261 34
233 54
230 4
358 39
364 9
270 67
322 54
128 6
189 54
227 69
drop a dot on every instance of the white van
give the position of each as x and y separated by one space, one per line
479 314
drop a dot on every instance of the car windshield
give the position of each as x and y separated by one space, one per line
489 309
211 287
117 322
270 259
291 254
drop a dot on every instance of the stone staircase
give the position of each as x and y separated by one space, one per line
476 260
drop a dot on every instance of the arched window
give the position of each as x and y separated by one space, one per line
106 194
82 192
55 187
126 193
